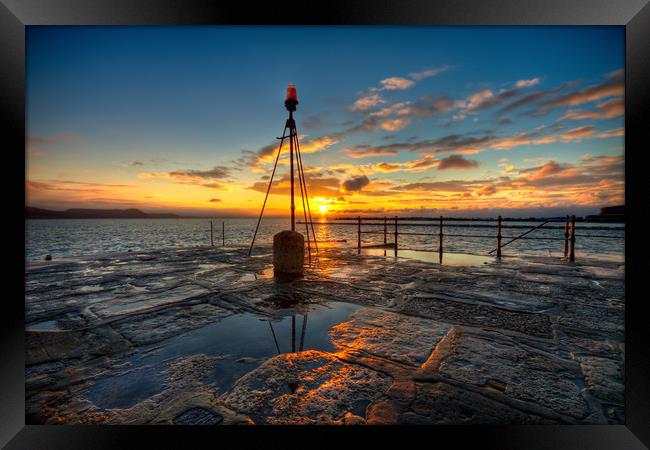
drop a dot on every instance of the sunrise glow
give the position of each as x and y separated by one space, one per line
461 123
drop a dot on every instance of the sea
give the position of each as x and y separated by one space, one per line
68 238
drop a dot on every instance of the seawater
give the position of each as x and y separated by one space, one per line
82 237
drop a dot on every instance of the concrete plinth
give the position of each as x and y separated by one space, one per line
288 254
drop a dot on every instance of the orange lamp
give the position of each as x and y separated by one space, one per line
291 99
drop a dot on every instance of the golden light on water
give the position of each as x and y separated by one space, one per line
322 204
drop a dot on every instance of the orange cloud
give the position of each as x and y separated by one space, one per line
153 175
606 110
394 124
430 72
317 144
210 179
363 153
367 102
550 168
589 132
610 88
527 83
417 165
456 162
478 99
396 84
488 189
267 154
355 183
387 167
316 185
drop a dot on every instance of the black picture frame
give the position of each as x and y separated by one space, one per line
15 15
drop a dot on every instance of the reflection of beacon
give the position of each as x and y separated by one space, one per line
291 99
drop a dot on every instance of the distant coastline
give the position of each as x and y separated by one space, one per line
614 214
610 214
80 213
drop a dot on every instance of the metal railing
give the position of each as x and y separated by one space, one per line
223 234
391 229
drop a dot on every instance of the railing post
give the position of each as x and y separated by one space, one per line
440 241
395 235
359 234
572 242
385 230
211 239
566 236
499 237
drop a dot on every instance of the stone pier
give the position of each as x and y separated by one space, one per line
145 338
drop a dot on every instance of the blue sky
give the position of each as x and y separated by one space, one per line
140 116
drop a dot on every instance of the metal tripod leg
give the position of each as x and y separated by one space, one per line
268 190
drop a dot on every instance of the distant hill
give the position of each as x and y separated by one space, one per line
614 214
80 213
619 209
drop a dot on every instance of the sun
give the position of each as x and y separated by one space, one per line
323 209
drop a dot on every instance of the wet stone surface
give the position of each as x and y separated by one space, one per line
206 336
198 416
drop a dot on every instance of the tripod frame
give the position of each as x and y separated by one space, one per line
294 149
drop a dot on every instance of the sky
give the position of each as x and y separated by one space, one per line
464 121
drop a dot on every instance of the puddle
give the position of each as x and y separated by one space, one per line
243 341
448 259
50 325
